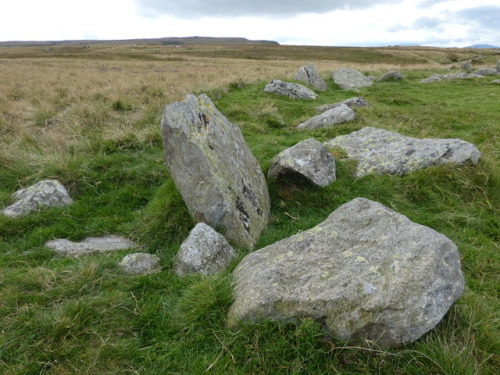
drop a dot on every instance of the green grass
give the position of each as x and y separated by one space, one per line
84 316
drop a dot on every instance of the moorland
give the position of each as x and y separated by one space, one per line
89 116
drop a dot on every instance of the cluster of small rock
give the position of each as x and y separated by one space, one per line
468 74
366 272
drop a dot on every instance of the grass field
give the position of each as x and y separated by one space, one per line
89 117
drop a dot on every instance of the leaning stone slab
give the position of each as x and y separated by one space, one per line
350 79
46 193
309 76
366 272
308 160
393 75
384 152
204 252
140 264
351 102
292 90
336 115
212 166
90 245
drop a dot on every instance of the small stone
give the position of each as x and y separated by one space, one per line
141 264
393 75
336 115
292 90
46 193
204 252
90 245
351 102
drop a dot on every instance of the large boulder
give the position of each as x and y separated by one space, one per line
292 90
46 193
90 245
212 166
384 152
350 79
309 76
366 272
351 102
203 252
336 115
308 160
393 75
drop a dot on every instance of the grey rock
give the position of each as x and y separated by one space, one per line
141 264
384 152
292 90
393 75
450 76
498 66
349 79
308 159
212 166
486 72
90 245
366 272
336 115
46 193
309 76
351 102
495 81
203 252
467 66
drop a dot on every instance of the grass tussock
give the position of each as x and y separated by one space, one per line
90 118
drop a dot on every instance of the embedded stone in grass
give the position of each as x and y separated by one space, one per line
309 76
90 245
46 193
204 252
292 90
308 160
350 79
393 75
486 72
384 152
214 170
366 272
351 102
336 115
141 264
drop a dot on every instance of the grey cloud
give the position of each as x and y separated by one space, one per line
279 8
487 16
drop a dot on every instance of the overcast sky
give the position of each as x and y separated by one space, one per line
440 23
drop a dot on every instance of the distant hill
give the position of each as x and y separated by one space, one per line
484 46
195 40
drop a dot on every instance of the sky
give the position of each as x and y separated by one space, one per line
365 23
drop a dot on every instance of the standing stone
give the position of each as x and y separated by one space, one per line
308 159
384 152
366 272
90 245
309 76
204 252
393 75
46 193
350 79
292 90
351 102
212 166
336 115
141 264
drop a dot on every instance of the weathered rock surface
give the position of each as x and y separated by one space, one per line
350 79
292 90
141 264
337 115
393 75
351 102
366 272
90 245
495 81
310 76
212 166
308 159
486 72
384 152
46 193
204 252
450 76
467 66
